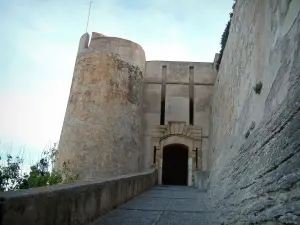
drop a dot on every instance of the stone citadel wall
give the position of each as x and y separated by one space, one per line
255 137
102 130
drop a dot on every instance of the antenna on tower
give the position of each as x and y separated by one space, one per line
88 20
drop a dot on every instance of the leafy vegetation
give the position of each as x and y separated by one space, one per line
40 174
258 87
225 37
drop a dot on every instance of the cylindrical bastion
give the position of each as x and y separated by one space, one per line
101 134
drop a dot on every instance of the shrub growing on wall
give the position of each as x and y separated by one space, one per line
225 37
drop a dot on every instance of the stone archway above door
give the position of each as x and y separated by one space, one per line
176 132
176 128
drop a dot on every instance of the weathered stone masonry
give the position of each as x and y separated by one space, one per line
102 131
256 179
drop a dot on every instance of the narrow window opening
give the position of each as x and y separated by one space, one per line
191 105
163 96
197 158
162 113
191 112
154 155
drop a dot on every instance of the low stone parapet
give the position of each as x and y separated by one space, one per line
74 204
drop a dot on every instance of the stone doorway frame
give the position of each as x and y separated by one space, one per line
177 132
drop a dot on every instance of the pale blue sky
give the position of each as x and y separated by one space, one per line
39 41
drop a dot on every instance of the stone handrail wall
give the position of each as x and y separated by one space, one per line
74 204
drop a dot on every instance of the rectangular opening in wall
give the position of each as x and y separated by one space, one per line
191 87
197 158
191 112
163 96
162 114
154 155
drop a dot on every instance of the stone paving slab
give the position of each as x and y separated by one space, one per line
126 217
146 204
157 194
188 195
172 194
190 205
170 217
173 188
164 205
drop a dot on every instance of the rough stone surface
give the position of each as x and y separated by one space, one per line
202 99
102 130
177 103
257 179
178 72
127 50
76 204
164 205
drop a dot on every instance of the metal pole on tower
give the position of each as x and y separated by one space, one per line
88 20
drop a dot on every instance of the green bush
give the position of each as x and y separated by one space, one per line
10 174
258 87
41 173
225 37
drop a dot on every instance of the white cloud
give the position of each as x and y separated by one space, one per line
32 120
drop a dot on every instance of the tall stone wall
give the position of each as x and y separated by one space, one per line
102 131
255 137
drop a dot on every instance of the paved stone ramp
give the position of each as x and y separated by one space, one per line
164 205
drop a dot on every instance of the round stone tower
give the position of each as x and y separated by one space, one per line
101 134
